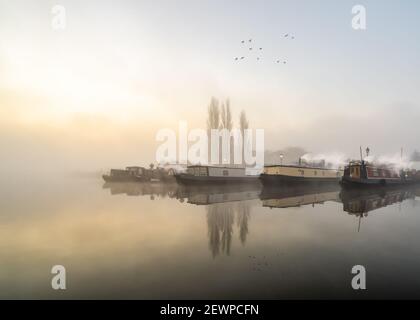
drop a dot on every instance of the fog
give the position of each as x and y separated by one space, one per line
94 95
93 145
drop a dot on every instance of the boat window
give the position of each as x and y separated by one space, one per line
225 172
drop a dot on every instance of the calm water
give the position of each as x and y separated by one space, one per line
148 241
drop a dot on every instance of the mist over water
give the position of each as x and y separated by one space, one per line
156 240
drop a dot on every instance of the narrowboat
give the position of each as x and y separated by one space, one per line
130 174
297 174
200 174
363 173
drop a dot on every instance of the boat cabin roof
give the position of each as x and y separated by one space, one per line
134 167
369 164
219 167
299 167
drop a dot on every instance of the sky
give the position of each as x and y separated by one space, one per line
94 94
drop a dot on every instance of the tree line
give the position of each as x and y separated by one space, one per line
219 116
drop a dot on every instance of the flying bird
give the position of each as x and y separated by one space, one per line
250 48
236 58
260 48
293 37
243 41
250 40
242 58
286 35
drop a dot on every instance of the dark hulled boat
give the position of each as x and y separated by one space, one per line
215 175
363 173
130 174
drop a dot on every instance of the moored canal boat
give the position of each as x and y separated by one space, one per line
294 174
363 173
129 174
199 174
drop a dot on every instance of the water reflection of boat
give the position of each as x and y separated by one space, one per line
142 189
361 201
299 195
225 205
200 194
204 195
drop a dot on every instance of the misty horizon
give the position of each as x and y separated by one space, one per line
94 95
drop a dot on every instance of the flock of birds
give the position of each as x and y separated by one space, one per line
260 49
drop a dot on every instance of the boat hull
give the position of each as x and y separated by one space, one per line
363 182
202 180
109 178
278 180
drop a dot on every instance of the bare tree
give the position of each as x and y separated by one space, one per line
213 120
243 121
244 124
227 123
222 116
226 116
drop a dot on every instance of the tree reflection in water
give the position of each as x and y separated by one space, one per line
220 222
242 216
